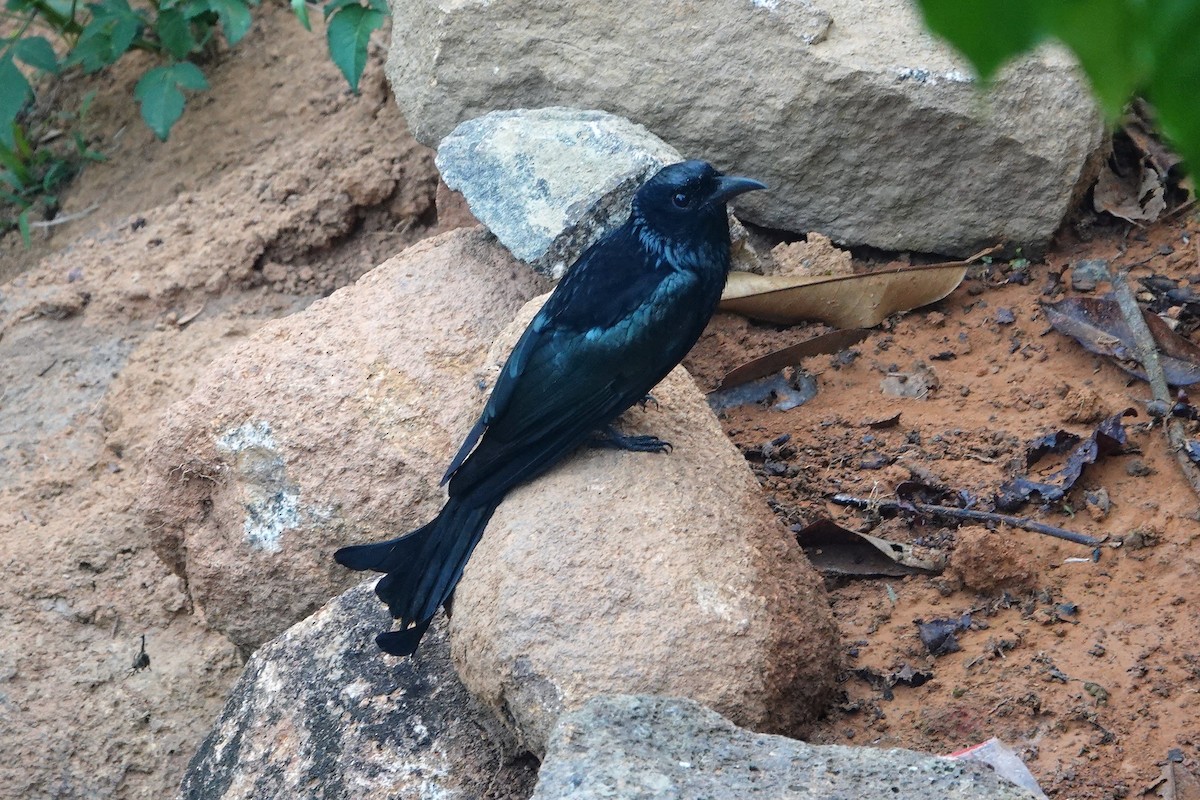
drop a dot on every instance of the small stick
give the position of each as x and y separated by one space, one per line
64 219
1147 355
951 512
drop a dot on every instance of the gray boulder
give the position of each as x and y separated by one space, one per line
550 182
865 127
327 427
627 748
320 713
622 572
522 173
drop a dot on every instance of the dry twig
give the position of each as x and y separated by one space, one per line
1147 356
950 512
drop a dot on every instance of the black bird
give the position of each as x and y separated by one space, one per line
624 315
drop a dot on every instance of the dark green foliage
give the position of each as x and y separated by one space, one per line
348 29
160 93
95 35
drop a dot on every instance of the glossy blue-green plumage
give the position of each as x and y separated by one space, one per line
623 316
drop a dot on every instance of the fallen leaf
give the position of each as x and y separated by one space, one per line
832 342
834 550
1176 783
1108 437
1101 328
1142 129
1136 196
885 423
905 676
844 301
939 635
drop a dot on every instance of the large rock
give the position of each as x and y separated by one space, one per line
644 573
330 426
550 182
627 748
318 713
865 127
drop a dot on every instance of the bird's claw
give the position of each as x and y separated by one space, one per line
648 400
612 438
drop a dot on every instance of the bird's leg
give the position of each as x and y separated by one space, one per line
610 437
646 401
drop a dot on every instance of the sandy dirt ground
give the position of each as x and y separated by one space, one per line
279 186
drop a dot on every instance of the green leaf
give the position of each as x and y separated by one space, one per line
160 95
17 175
23 226
92 50
235 18
175 33
108 36
300 9
14 93
59 173
124 31
988 34
37 52
334 5
348 32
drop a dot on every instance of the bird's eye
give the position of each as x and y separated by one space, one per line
681 200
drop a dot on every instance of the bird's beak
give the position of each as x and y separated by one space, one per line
730 186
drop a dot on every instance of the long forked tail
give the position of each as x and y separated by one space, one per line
422 567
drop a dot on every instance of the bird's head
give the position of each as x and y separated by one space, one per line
686 201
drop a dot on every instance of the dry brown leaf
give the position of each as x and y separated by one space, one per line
1175 783
1100 326
832 342
1136 197
835 550
844 301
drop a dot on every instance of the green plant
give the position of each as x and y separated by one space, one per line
95 35
1126 47
32 170
98 34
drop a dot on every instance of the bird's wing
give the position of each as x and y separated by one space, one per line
502 391
572 370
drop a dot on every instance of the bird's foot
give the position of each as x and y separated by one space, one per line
610 437
648 400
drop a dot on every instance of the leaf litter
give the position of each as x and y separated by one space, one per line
1101 328
1108 437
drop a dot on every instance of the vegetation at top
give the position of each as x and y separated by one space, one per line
49 37
1149 48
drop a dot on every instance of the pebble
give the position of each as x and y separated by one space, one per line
1087 273
1138 468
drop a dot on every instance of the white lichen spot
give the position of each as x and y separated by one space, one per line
769 5
419 729
931 78
272 504
356 690
722 603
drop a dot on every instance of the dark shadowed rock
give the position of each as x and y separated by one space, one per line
320 713
622 748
